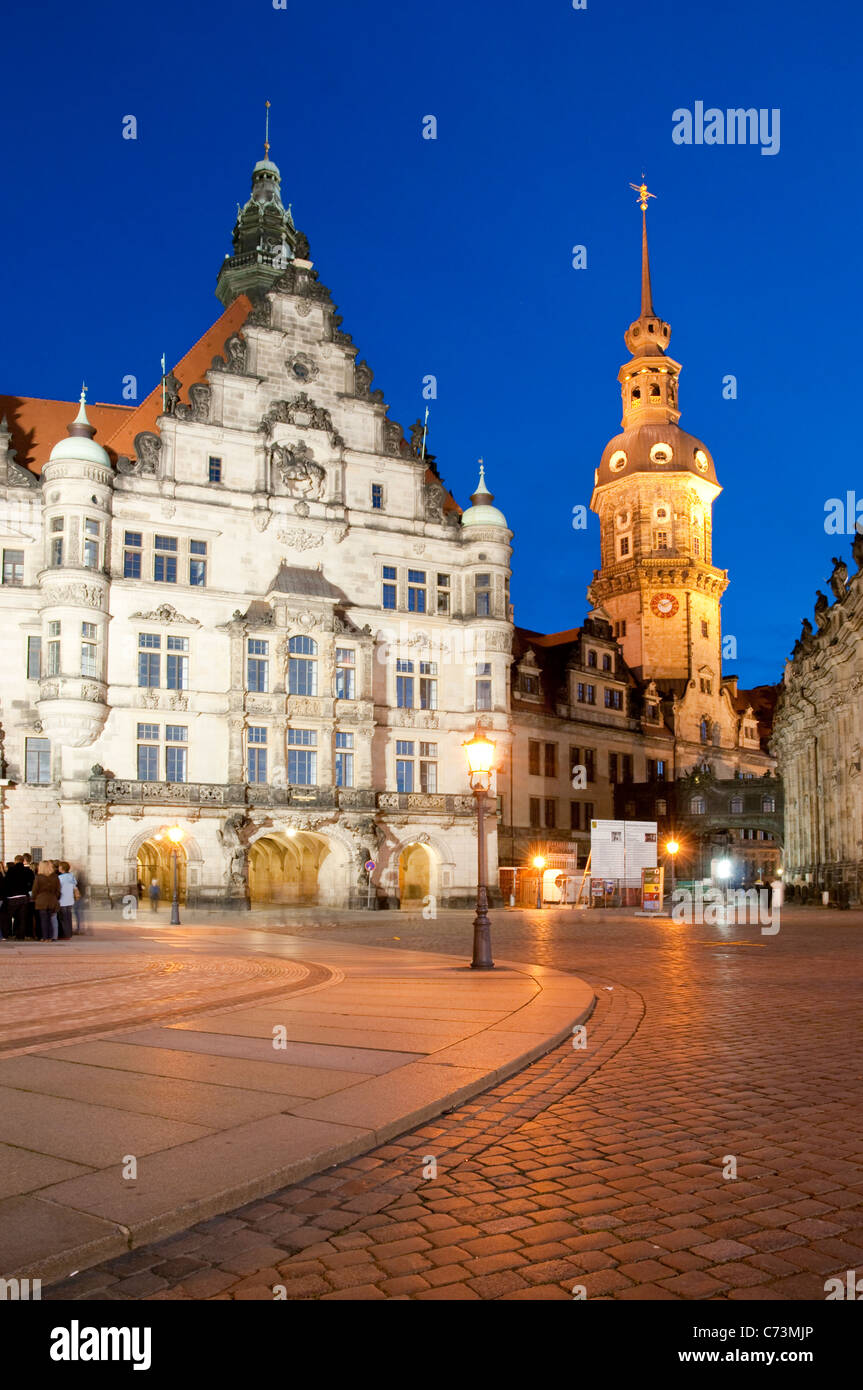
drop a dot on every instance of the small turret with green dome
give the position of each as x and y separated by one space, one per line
481 512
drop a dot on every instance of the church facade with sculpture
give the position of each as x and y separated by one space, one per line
817 740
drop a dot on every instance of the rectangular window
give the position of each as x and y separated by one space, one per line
550 813
590 763
404 685
302 667
34 658
377 497
178 665
428 767
416 591
483 695
591 658
661 807
405 765
551 760
624 546
705 630
344 760
696 550
148 753
574 815
627 767
92 530
175 764
13 567
53 668
346 659
768 805
482 605
606 662
198 563
165 560
428 685
89 651
149 660
388 591
614 767
660 540
57 552
256 754
257 665
443 593
534 812
214 470
613 698
37 761
533 757
737 805
588 814
302 757
132 555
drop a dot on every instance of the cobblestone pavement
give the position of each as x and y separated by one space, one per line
603 1166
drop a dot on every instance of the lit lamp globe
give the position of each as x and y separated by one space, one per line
479 752
538 862
175 834
672 846
723 868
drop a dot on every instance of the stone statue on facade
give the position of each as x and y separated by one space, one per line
839 578
822 607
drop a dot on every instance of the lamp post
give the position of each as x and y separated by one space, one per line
672 847
479 752
539 865
175 835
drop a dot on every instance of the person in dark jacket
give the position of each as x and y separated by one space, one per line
46 898
17 885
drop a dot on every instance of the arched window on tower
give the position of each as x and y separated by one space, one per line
654 393
705 731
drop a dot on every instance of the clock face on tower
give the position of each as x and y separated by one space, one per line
664 605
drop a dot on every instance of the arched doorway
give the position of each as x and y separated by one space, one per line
284 867
155 861
414 875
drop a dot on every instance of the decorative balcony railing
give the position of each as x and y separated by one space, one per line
120 791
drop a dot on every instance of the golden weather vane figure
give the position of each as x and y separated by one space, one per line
643 193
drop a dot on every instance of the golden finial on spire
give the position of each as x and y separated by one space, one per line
643 193
267 133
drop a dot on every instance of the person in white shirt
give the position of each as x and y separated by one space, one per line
68 884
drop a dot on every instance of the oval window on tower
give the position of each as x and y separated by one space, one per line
701 461
617 461
661 453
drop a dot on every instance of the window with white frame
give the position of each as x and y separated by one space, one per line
256 754
149 659
177 663
37 761
89 650
443 593
405 758
148 752
697 806
165 559
92 533
416 591
34 658
53 664
428 685
176 753
302 666
482 595
344 760
198 564
428 767
346 683
482 698
302 757
257 665
377 497
56 551
13 567
132 554
389 589
404 684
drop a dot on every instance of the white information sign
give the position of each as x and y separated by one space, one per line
622 848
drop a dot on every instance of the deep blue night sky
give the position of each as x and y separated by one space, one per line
453 256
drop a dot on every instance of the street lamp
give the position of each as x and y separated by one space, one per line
672 847
479 752
539 865
175 835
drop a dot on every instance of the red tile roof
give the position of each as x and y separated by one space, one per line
36 426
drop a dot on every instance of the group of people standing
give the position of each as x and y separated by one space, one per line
39 902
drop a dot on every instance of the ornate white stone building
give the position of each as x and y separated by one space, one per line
248 607
817 741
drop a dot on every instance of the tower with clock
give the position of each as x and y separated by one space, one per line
653 493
